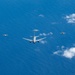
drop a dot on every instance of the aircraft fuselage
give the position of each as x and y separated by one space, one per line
34 39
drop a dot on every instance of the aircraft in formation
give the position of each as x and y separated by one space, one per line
63 33
34 39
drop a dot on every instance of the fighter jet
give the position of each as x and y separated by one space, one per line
34 40
62 33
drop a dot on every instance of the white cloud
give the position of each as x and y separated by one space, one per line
41 15
57 52
45 34
68 53
70 18
43 42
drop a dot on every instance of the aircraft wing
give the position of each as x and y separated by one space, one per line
27 39
41 39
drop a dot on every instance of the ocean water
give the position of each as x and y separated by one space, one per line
18 18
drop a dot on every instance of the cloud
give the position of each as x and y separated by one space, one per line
43 42
68 53
41 15
45 34
70 18
57 52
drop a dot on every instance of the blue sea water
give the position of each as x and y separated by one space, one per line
17 19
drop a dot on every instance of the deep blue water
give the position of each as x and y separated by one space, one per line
17 19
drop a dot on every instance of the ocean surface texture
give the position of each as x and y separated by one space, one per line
55 20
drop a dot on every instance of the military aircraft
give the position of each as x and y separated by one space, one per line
34 40
62 33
